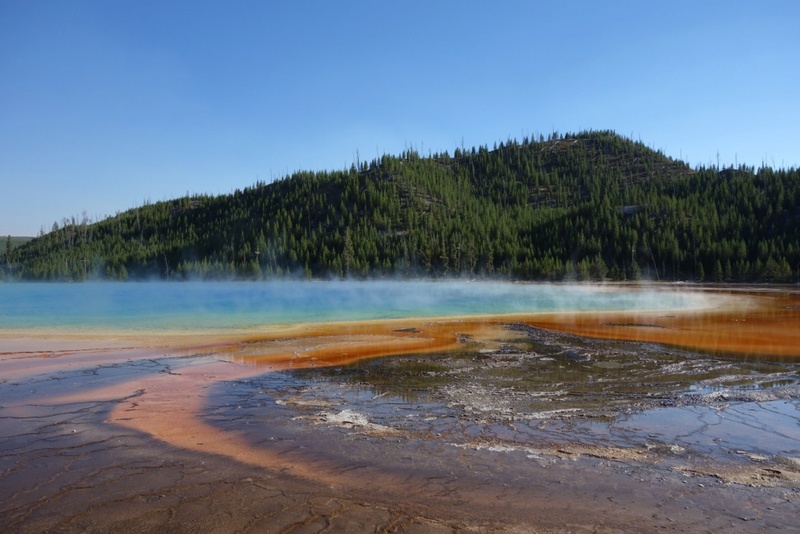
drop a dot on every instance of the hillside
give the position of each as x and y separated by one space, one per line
591 205
11 242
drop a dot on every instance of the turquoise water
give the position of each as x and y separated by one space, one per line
225 305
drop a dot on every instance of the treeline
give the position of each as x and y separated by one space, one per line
588 206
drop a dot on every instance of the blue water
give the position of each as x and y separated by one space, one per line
225 305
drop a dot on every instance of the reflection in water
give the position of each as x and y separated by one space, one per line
748 428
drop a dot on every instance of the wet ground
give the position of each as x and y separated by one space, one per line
508 429
544 393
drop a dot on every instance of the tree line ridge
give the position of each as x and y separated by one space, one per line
587 206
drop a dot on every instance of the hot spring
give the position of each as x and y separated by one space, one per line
215 306
128 406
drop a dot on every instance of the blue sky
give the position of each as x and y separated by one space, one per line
104 105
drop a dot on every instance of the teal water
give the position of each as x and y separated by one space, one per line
226 305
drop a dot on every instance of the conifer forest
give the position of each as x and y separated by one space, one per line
587 206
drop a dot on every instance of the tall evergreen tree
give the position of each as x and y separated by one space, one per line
593 204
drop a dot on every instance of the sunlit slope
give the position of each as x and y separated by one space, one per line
592 205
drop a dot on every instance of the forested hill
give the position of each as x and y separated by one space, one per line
592 205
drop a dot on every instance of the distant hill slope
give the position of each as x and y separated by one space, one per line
592 205
11 242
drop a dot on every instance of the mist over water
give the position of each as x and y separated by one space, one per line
227 305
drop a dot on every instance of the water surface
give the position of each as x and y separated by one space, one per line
226 305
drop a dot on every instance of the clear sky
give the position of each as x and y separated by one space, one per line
107 104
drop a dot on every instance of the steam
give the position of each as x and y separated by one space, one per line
224 305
